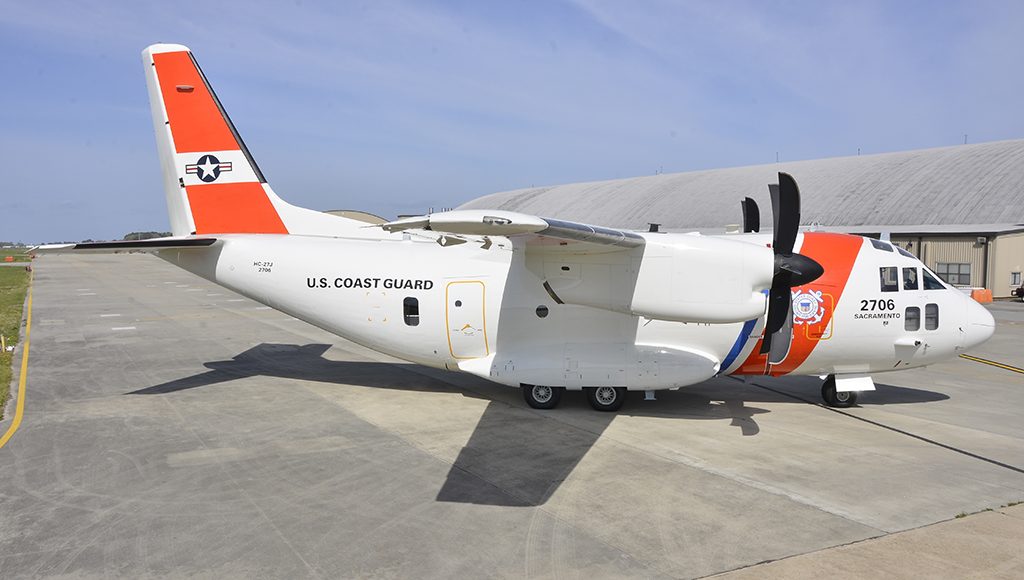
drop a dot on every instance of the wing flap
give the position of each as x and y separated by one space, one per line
513 224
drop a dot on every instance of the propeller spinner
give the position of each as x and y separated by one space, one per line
791 269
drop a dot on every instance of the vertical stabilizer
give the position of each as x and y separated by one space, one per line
212 183
210 179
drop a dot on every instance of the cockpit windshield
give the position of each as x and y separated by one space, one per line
931 282
880 245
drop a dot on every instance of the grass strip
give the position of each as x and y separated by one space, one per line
19 254
13 286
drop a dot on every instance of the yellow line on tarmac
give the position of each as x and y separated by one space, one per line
20 409
985 361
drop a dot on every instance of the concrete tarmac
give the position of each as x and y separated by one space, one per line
173 428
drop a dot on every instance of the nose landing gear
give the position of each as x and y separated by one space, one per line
838 399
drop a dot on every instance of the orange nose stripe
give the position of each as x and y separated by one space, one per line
837 253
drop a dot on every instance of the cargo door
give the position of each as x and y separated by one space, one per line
465 318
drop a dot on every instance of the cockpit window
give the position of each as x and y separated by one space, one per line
880 245
910 278
905 253
931 283
889 278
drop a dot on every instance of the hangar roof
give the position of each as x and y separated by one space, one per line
966 184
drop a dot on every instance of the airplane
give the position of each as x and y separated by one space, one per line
540 304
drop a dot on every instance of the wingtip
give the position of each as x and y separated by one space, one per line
162 47
51 248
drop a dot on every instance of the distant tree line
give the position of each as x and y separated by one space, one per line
131 236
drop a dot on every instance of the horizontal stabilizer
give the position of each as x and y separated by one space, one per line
150 245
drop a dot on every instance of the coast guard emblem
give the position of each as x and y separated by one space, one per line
808 307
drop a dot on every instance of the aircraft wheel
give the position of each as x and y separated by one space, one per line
606 398
835 398
542 396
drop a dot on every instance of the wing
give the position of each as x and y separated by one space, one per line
678 277
150 245
535 230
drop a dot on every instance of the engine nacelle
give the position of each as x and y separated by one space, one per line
692 278
678 277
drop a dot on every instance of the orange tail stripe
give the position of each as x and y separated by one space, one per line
197 124
837 253
235 208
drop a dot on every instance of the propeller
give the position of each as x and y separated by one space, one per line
791 269
751 216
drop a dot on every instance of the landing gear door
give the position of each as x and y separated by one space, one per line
466 319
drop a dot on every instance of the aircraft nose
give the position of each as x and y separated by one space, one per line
980 324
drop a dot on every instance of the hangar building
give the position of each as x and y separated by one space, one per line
960 209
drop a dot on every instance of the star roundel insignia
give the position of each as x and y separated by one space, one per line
208 168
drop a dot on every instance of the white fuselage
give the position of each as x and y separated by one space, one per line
486 311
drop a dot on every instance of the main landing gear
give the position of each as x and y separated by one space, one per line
606 398
600 398
833 398
542 396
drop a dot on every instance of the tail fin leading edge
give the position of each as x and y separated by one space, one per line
210 179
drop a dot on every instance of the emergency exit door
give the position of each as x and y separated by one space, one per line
466 319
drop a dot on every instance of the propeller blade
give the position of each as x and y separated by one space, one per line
751 216
785 213
779 303
766 344
779 299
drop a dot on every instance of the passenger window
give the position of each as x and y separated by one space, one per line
889 275
880 245
930 283
411 311
912 320
910 278
931 316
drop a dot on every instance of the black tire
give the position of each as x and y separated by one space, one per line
541 396
606 398
833 398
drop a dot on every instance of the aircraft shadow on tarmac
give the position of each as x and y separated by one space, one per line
518 456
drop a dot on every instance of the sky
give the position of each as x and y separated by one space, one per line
397 107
